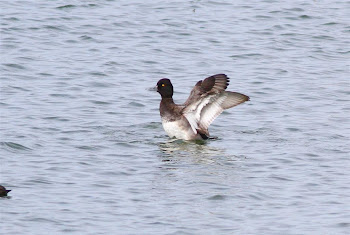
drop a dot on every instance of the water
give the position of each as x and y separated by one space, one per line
82 146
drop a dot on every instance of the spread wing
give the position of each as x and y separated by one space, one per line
207 101
212 84
217 105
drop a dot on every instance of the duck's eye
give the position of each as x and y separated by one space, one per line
163 84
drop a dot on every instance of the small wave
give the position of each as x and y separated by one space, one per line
17 66
217 197
69 6
14 146
136 104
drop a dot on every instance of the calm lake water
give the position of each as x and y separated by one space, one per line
83 149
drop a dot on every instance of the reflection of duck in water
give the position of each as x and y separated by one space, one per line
175 151
3 191
199 150
208 99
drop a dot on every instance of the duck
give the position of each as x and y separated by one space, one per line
207 100
3 191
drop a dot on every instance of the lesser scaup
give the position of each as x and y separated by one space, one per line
3 191
207 100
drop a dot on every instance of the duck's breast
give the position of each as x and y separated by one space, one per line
179 129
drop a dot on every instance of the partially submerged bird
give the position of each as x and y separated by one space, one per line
208 99
3 191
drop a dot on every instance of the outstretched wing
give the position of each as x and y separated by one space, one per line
217 105
201 95
213 84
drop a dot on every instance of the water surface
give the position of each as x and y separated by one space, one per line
82 146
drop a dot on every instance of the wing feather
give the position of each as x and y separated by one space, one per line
218 104
193 112
208 99
211 85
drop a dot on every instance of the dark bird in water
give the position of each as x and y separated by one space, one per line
207 100
3 191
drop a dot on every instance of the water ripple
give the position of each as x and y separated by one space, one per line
13 147
82 143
